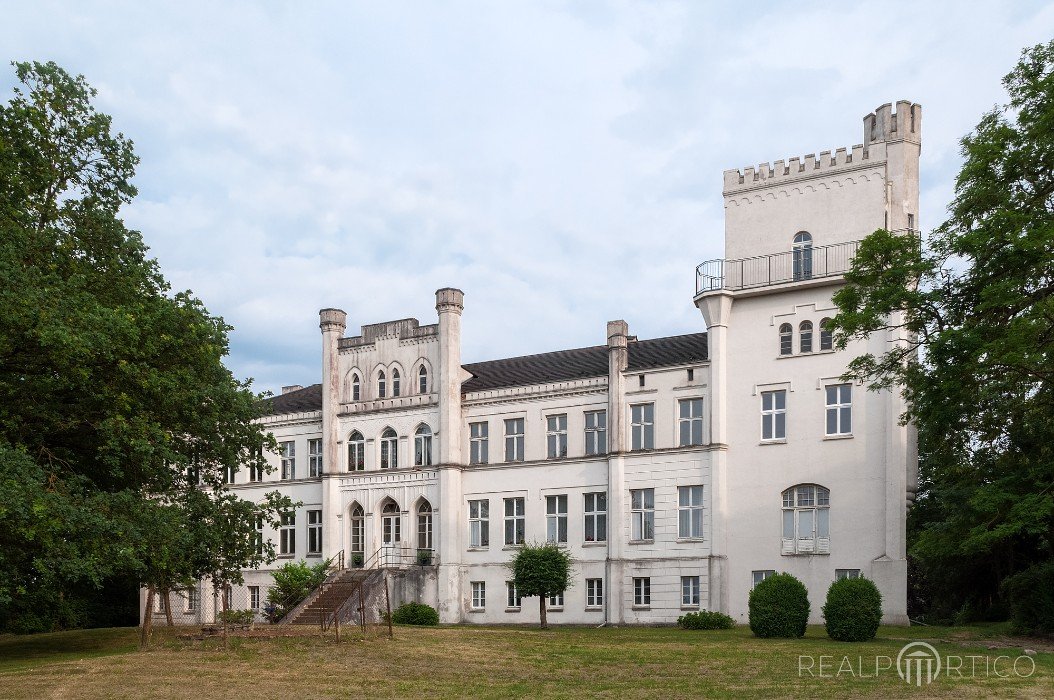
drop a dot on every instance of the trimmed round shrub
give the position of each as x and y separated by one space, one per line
779 607
853 610
415 614
706 620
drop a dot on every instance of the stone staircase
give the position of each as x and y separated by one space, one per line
334 598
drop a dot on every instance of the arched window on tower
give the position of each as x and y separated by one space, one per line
356 452
356 388
801 253
422 380
395 382
806 520
424 532
786 339
826 336
382 385
805 336
389 449
423 447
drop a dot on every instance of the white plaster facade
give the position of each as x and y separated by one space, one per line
869 472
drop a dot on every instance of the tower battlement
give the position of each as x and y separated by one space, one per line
881 126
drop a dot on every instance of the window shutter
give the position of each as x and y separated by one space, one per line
788 546
806 545
823 545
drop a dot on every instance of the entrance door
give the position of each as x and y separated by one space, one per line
391 532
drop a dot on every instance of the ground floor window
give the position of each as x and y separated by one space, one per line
642 591
839 574
759 576
594 592
556 601
514 600
479 595
690 591
191 594
254 597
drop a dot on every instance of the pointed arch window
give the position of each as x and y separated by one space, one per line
786 339
356 388
826 336
422 380
806 520
805 336
801 254
424 527
358 529
389 449
382 385
391 523
423 447
395 382
356 452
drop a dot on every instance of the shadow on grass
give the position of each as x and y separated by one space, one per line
18 652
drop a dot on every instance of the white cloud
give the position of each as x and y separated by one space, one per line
561 163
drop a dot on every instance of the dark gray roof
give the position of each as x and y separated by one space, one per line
559 366
299 401
583 363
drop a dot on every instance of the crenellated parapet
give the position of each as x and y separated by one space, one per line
881 127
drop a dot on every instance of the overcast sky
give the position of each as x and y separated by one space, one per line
558 161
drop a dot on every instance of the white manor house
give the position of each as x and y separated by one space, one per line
677 471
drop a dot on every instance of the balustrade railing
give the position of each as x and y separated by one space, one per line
804 263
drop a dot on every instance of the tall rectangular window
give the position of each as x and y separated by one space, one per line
642 426
774 415
228 474
514 440
642 591
288 460
255 473
690 591
690 421
596 432
258 535
759 576
314 532
314 457
594 592
287 534
254 597
478 442
191 594
596 517
840 409
515 521
479 595
513 600
642 513
556 601
479 523
556 436
356 452
556 518
689 512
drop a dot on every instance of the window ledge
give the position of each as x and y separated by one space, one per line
806 554
314 555
549 610
641 607
651 541
477 610
602 543
689 540
285 556
689 607
511 547
512 610
479 549
845 436
778 441
594 608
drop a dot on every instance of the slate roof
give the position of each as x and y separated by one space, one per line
583 363
559 366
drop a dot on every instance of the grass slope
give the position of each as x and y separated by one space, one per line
489 662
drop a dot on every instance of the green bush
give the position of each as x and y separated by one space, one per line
853 610
779 607
415 614
706 620
237 617
1030 595
293 581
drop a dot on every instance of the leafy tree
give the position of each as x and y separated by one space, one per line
541 570
114 400
974 309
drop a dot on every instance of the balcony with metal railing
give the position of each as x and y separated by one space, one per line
800 264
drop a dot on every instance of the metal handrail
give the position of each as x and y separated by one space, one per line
813 262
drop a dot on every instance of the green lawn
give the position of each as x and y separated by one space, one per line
500 662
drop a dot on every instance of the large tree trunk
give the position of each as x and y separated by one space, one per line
148 618
168 607
541 612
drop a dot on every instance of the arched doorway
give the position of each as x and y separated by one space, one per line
391 531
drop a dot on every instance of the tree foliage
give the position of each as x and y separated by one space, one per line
114 400
542 570
293 581
779 607
976 307
853 610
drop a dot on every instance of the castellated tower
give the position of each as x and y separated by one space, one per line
818 472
